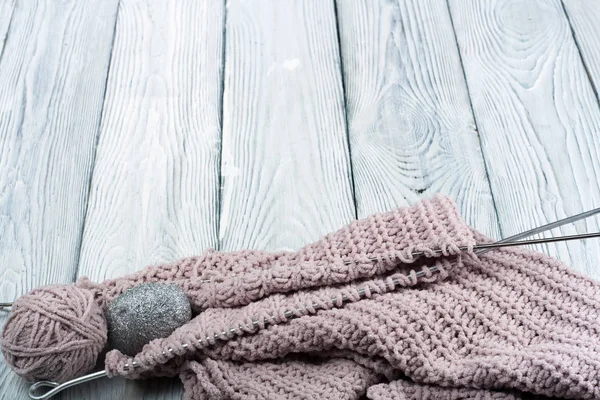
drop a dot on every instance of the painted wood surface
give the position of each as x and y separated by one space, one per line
583 17
286 173
154 191
409 116
537 116
52 79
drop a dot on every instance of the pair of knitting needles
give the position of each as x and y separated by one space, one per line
55 387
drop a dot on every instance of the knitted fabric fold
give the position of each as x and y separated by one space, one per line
334 379
508 322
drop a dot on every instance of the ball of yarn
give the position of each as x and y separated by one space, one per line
144 313
54 333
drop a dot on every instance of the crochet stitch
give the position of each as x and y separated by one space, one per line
327 322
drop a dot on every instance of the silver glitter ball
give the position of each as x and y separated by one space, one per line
146 312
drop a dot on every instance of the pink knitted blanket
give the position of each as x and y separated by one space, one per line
292 324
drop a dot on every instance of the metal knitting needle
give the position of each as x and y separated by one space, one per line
485 247
5 305
489 246
540 229
512 240
289 314
59 387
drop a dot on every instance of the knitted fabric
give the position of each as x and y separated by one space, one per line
508 322
404 390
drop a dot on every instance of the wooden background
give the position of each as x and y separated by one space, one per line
135 132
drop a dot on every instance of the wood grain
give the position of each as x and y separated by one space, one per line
7 8
537 115
286 173
409 116
154 194
52 78
583 17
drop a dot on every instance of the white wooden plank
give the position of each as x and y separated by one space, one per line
409 116
583 17
154 194
53 70
537 116
286 175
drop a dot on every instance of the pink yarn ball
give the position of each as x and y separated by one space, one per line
54 333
